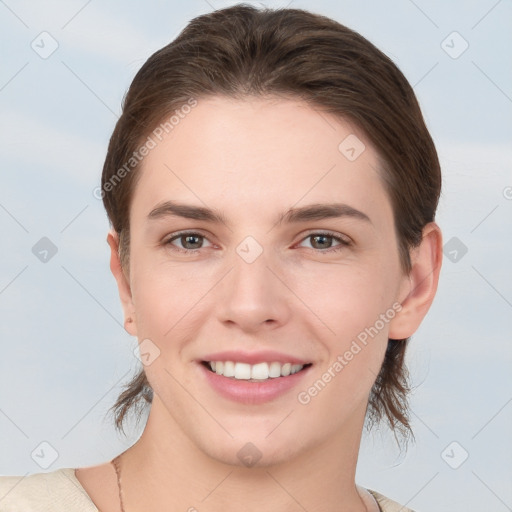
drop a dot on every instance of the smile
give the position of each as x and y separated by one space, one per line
254 372
252 384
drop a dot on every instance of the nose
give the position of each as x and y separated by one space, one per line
254 296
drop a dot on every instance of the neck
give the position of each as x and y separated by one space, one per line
164 467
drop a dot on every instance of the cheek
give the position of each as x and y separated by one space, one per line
356 305
168 298
347 298
358 310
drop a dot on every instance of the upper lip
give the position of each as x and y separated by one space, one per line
265 356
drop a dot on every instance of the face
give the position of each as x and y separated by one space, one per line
263 241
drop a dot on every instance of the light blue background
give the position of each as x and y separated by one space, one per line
64 354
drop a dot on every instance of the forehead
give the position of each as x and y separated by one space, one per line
241 152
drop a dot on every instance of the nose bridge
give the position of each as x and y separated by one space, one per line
251 294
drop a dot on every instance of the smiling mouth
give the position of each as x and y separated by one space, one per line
253 372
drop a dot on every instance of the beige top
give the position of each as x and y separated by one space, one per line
61 491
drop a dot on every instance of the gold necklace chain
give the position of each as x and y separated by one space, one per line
115 463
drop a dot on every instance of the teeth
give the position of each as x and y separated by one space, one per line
242 371
229 369
260 371
274 370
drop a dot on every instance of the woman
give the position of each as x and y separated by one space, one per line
272 188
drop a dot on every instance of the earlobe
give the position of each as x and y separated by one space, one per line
422 283
123 283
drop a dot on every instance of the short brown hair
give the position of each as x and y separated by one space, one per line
242 51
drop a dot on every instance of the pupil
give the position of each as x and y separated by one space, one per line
188 239
321 237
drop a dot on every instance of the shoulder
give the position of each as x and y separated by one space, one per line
388 505
56 491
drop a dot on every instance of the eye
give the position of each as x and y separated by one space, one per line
324 242
190 241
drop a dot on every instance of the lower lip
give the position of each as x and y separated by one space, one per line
253 393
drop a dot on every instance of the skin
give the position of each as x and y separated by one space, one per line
298 297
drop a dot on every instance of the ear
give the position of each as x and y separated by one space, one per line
123 284
420 286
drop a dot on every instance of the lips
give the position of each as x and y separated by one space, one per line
253 378
266 356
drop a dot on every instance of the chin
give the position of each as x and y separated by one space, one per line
251 455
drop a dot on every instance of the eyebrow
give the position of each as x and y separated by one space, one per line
293 215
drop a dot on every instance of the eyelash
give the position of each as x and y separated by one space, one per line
343 243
